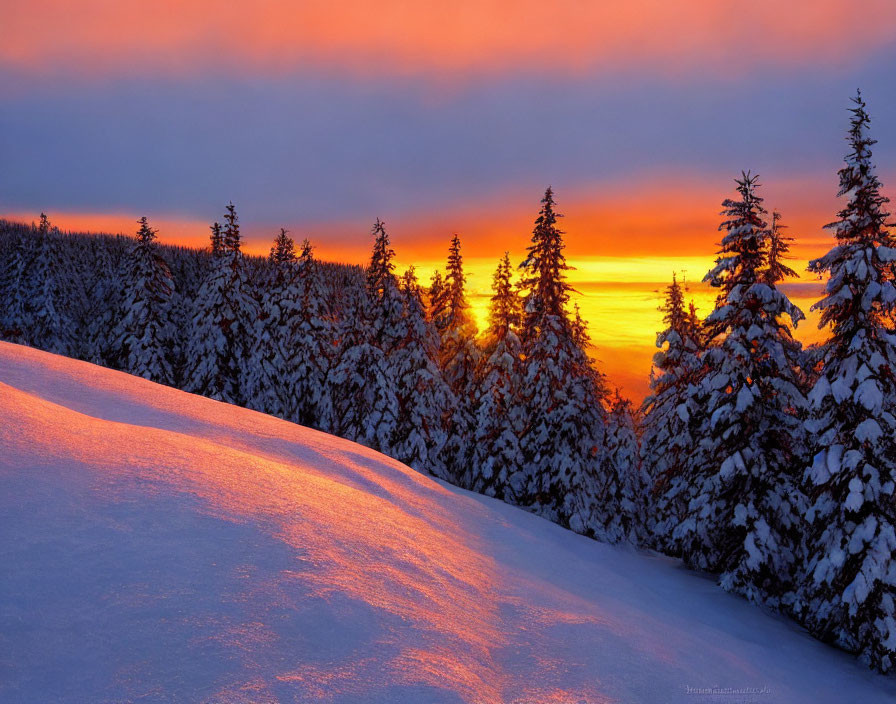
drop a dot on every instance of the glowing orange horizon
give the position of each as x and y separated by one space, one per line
624 255
466 36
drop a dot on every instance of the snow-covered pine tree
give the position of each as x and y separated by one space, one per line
496 467
362 381
49 327
671 418
424 398
307 342
79 305
283 251
849 586
105 292
458 360
188 268
223 329
217 239
744 516
380 274
505 311
436 309
625 490
17 283
267 387
562 444
231 238
606 479
143 336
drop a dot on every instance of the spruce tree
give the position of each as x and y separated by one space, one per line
671 413
15 322
849 585
424 399
267 389
306 342
562 444
223 328
106 302
744 515
231 239
601 505
362 382
624 490
217 239
505 312
381 270
436 309
283 251
143 338
458 360
50 328
496 468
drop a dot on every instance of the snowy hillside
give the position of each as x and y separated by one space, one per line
158 546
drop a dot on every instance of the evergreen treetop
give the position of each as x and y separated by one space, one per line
380 272
458 316
505 309
44 227
437 295
544 277
283 250
217 239
232 238
860 294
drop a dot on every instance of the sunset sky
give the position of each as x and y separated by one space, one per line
449 117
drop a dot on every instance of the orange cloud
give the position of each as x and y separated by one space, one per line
398 36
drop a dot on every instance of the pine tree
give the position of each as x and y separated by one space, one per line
106 302
671 417
231 240
624 491
15 324
423 396
143 337
436 309
744 515
381 270
505 308
307 343
222 333
283 251
496 468
362 382
458 360
849 585
49 328
563 439
267 387
217 239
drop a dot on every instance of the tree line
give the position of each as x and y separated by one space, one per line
753 458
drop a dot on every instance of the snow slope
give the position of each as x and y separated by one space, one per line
161 547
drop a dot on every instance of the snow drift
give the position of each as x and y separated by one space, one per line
158 546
